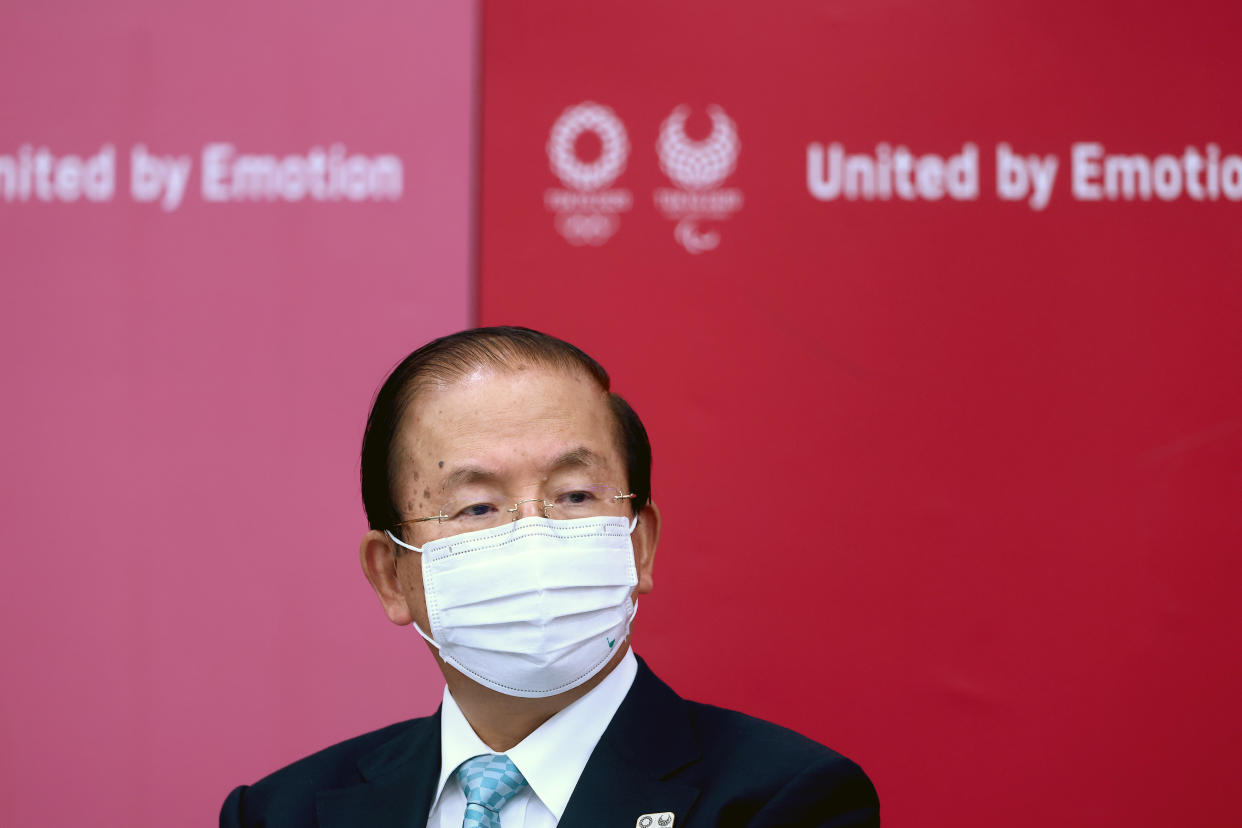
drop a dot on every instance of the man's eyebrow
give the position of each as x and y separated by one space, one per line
575 457
578 457
466 475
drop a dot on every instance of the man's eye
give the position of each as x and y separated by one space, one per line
477 510
576 498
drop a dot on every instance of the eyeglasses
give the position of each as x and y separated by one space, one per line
487 512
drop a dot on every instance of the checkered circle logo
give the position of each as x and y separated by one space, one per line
698 165
588 175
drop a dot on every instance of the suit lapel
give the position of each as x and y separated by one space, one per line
648 740
628 775
400 783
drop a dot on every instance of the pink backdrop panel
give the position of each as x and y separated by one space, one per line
950 463
186 376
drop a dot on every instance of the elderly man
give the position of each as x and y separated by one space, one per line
508 495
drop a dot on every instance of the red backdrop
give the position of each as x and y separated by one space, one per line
950 483
185 384
950 468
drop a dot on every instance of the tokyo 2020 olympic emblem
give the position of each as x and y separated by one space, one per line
698 168
587 211
614 147
698 165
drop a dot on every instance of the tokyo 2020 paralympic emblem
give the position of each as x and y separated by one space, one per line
698 168
587 210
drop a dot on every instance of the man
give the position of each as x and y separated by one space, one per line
508 495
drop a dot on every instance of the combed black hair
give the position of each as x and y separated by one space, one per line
452 358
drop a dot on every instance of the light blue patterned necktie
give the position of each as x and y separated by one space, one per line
488 783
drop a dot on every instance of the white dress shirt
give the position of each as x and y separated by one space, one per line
551 758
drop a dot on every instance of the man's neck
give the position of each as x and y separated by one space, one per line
502 721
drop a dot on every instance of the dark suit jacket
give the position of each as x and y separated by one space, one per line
709 766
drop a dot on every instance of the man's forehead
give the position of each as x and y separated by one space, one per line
538 410
526 392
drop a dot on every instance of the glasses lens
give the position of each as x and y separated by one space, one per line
588 501
471 515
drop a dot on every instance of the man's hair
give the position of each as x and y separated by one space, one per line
453 357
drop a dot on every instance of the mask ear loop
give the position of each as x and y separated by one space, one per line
413 624
400 542
426 637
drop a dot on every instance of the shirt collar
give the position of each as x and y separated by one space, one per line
555 754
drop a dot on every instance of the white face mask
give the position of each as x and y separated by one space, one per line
531 608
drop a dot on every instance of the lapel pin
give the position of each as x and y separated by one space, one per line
662 820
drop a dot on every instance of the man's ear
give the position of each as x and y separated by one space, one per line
379 564
645 538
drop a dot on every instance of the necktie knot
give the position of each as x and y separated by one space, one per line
488 783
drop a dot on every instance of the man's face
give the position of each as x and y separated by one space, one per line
523 432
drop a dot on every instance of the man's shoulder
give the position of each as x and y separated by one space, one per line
724 735
756 772
725 732
290 791
749 771
336 763
763 749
